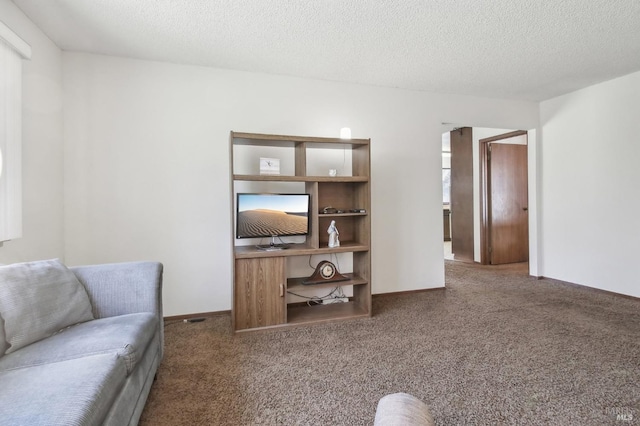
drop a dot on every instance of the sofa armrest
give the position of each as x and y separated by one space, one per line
124 288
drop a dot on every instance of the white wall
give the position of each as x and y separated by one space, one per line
42 141
147 166
590 204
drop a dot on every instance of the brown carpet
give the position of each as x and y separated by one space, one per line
495 347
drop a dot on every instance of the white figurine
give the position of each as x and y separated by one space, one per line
334 241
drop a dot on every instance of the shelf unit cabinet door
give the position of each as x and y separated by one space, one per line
259 292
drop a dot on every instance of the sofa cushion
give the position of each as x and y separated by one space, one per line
74 392
37 299
127 336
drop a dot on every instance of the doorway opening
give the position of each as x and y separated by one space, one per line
473 232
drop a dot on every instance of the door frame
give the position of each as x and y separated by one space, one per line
485 224
461 196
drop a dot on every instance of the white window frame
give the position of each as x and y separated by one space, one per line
12 51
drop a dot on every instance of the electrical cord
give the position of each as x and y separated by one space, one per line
280 240
335 256
183 321
333 294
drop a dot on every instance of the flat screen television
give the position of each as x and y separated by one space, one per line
272 215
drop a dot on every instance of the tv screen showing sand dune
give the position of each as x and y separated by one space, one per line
265 223
266 215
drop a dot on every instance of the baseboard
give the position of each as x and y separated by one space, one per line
586 287
196 316
228 312
394 293
398 293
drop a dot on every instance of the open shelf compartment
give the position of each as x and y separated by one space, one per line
298 315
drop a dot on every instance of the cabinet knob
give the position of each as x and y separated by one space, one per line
281 290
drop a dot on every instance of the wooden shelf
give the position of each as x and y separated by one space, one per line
295 284
244 252
260 282
241 138
287 178
324 313
321 215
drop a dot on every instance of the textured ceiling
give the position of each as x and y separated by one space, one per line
514 49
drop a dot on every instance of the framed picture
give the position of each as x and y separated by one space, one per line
269 166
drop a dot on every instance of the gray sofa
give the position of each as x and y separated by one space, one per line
91 365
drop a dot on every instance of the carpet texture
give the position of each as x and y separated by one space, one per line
495 347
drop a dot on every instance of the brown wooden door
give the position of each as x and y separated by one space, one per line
508 203
461 202
259 292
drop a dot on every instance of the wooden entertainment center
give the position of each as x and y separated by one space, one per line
260 278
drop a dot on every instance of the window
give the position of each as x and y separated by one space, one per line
446 168
12 50
446 186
